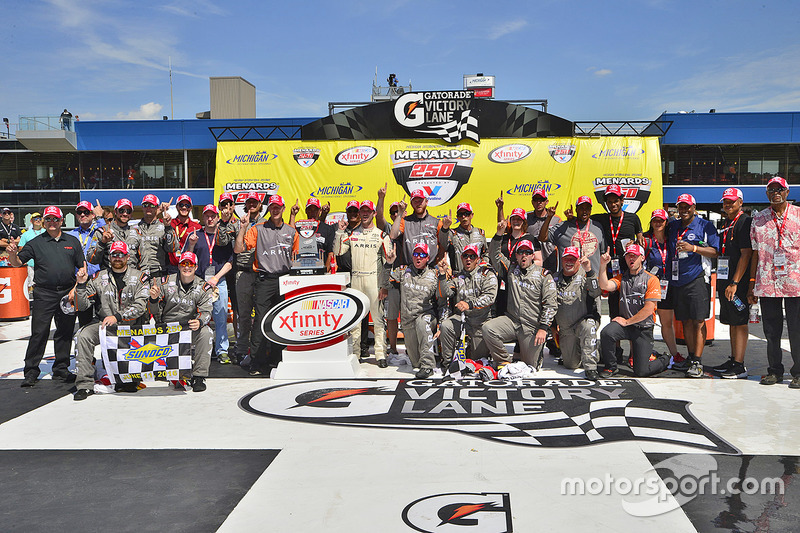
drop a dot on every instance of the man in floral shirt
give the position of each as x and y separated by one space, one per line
775 235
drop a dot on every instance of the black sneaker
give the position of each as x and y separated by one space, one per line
126 387
424 373
592 374
382 363
771 379
82 394
736 371
795 384
29 381
609 372
198 384
66 377
724 367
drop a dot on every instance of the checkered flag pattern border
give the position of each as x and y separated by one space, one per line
117 341
456 130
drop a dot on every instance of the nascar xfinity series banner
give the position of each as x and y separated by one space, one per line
340 171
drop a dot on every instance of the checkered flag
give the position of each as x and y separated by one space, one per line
458 365
147 353
455 130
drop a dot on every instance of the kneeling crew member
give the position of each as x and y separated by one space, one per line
184 297
119 296
532 304
639 292
577 316
475 290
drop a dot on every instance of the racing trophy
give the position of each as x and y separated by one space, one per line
308 261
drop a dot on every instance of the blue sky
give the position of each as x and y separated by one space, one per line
613 60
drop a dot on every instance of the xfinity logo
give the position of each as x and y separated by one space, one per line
510 153
356 155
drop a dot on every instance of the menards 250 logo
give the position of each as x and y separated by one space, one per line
439 172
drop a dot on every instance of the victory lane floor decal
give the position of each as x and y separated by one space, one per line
532 412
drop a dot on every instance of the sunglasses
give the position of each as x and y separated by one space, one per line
124 211
471 257
772 190
225 204
83 213
51 219
463 214
186 264
525 252
36 218
117 255
419 254
538 199
184 206
148 204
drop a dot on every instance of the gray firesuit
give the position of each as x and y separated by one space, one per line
458 239
126 301
418 303
578 318
156 241
98 250
479 289
532 305
179 304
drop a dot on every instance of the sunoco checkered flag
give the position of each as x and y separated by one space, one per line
455 130
147 353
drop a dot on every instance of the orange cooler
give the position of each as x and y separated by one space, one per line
14 302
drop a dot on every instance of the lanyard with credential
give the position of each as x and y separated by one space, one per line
615 234
729 229
661 252
780 228
210 244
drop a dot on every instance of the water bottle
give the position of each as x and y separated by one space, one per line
754 315
740 305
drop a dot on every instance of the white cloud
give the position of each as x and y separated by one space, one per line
193 8
504 28
148 111
599 72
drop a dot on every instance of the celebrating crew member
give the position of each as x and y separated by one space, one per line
214 261
733 271
88 225
579 231
516 229
463 235
474 289
391 302
692 242
183 225
419 287
775 237
183 298
344 263
578 315
639 292
227 229
532 304
117 230
420 226
657 264
115 296
57 257
273 242
367 245
157 240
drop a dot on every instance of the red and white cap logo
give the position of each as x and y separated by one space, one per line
313 201
464 206
225 196
421 247
471 248
780 181
634 249
659 213
123 202
614 189
353 203
212 208
53 211
84 204
418 193
571 251
732 194
540 192
368 203
118 246
686 199
524 245
275 199
583 200
518 212
150 199
188 256
184 198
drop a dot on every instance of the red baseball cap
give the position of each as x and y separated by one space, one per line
779 180
84 204
573 251
583 200
659 213
367 203
686 199
464 206
118 246
732 194
184 197
394 204
634 248
53 211
275 199
353 203
225 196
150 199
314 201
614 189
211 207
418 193
471 248
249 195
188 256
123 202
518 212
525 243
540 192
421 246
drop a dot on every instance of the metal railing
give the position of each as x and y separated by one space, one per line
45 123
656 128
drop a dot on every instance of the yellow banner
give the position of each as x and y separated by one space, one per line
341 171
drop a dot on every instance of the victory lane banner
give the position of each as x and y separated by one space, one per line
338 171
529 412
147 353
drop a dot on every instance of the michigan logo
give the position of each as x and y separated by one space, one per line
487 512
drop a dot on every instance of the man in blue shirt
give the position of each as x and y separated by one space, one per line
90 219
213 262
692 243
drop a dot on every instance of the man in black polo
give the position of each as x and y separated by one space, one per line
57 257
9 232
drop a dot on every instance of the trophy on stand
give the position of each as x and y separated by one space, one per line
309 259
